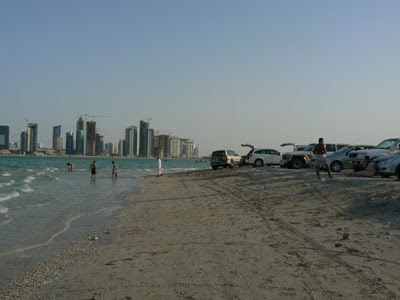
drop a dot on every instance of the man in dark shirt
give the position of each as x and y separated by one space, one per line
320 158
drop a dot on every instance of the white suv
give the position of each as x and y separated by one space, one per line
263 156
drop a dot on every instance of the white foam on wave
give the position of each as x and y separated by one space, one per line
56 178
11 182
67 226
3 210
26 189
6 174
29 179
39 173
12 195
32 206
29 170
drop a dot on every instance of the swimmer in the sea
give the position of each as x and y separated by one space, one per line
93 169
70 166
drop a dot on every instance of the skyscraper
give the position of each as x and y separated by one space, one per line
131 141
80 137
174 146
24 142
56 136
121 147
146 139
91 138
163 145
99 144
109 147
186 148
4 137
32 137
69 143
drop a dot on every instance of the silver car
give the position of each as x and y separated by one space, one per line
388 165
340 160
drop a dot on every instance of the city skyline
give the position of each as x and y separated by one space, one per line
223 73
142 141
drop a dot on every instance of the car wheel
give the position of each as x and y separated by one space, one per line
336 166
357 169
398 172
214 167
258 163
298 163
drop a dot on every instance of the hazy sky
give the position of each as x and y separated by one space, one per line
220 72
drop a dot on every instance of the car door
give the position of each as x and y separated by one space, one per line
266 156
275 157
346 159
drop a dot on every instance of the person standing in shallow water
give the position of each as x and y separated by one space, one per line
320 158
114 169
93 169
159 173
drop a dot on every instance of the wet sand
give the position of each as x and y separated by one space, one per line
237 234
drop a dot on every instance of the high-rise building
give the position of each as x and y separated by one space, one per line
69 143
156 140
187 148
146 139
80 137
24 142
32 137
131 141
121 147
109 147
162 146
174 146
91 138
99 144
56 135
196 151
4 137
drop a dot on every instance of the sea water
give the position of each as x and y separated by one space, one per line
40 200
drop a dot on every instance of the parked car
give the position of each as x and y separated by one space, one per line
287 157
302 159
388 165
340 159
385 148
263 156
225 158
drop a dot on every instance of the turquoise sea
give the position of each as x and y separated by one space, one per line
40 201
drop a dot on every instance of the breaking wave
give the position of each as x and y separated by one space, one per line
5 197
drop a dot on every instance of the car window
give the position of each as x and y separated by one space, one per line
330 148
274 152
340 146
258 152
386 144
344 149
231 153
309 147
218 154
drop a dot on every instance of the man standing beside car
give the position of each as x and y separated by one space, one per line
320 158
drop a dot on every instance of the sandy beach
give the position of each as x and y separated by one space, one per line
249 233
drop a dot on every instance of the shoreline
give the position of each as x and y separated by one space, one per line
246 233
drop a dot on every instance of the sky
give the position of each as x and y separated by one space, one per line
220 72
